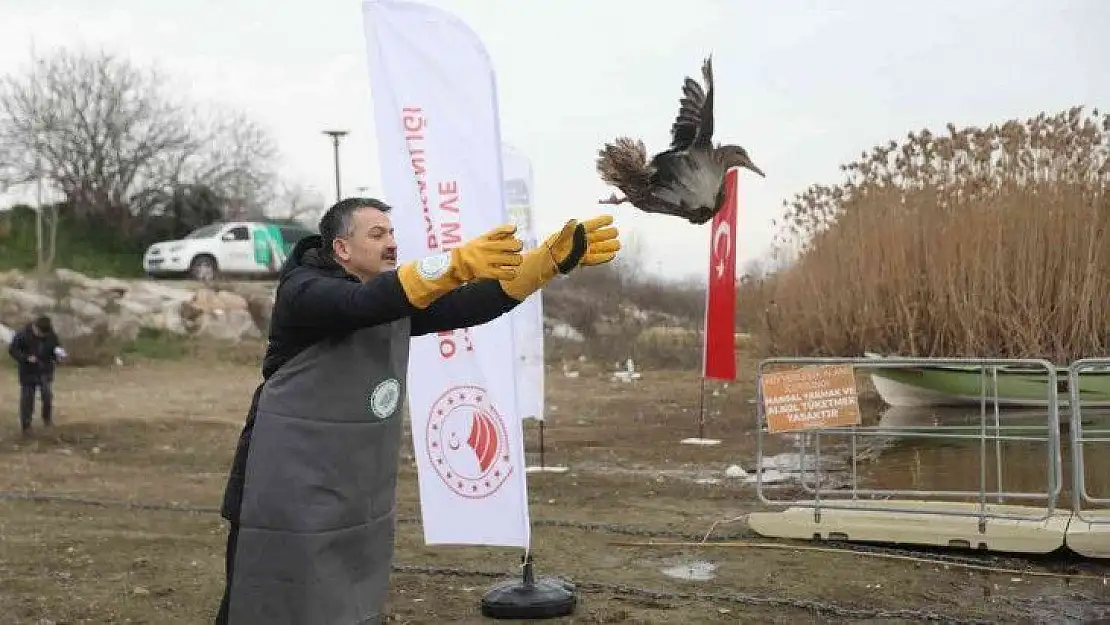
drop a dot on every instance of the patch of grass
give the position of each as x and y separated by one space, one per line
101 348
89 248
157 345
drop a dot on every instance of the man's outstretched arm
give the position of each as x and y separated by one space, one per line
321 305
587 243
467 306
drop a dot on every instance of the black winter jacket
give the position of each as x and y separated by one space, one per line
318 300
24 345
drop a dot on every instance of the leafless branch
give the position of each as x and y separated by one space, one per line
113 137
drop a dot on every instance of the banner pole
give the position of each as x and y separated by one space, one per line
542 467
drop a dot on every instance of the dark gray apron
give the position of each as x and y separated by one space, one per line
317 523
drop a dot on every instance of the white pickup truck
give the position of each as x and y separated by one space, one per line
241 248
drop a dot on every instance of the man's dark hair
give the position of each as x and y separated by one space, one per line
337 221
44 324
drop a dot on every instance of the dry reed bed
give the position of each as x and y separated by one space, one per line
979 242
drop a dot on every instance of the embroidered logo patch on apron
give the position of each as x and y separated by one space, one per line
385 397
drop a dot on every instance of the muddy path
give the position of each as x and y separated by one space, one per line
622 523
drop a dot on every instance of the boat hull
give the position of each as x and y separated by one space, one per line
942 386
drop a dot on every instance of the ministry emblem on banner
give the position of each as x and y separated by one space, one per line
467 442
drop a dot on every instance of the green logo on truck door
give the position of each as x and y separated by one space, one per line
269 246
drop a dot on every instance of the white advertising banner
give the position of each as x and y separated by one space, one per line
438 130
527 318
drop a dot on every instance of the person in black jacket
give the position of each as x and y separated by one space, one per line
310 495
36 348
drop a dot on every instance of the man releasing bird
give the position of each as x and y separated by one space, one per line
687 180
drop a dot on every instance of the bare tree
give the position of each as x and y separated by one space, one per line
239 162
234 161
118 142
299 203
95 122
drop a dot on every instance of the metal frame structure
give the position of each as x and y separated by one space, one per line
989 431
1077 440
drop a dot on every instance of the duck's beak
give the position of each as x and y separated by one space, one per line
748 164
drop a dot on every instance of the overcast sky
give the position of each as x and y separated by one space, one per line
805 85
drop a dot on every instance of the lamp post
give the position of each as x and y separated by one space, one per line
335 136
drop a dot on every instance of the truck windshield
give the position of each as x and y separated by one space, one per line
206 232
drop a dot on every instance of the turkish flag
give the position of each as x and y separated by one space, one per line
719 360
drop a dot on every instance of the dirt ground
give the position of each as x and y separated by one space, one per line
162 432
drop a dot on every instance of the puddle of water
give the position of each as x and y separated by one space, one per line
891 461
696 571
710 476
788 468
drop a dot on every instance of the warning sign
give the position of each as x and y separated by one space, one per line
811 398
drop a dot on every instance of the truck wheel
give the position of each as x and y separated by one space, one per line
203 268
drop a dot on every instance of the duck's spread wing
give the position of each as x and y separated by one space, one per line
695 111
685 126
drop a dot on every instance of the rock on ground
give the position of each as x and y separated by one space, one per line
81 306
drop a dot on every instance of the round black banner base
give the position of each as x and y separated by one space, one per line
529 598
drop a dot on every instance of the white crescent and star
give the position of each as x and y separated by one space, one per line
722 232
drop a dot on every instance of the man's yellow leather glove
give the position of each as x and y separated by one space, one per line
586 243
494 255
602 243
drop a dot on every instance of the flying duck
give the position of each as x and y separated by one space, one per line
688 179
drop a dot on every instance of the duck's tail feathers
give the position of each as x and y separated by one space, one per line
624 164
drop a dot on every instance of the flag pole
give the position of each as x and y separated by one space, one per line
700 439
719 336
701 411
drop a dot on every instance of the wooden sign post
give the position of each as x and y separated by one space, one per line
811 398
